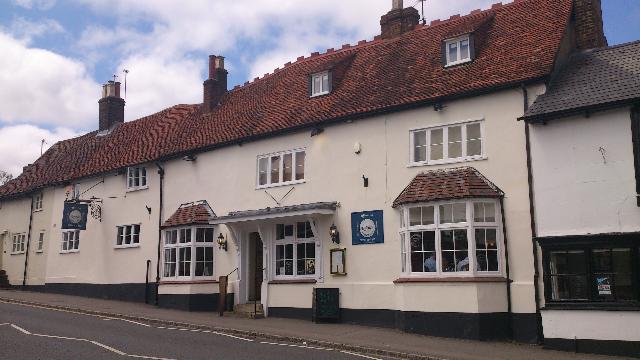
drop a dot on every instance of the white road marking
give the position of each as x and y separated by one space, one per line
360 355
231 336
20 329
108 348
294 345
59 337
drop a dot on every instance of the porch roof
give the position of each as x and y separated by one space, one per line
318 208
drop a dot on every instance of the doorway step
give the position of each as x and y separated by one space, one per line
249 311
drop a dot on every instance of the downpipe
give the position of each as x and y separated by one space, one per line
26 254
160 214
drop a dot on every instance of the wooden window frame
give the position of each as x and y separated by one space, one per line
445 144
294 172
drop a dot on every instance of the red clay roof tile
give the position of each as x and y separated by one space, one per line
190 214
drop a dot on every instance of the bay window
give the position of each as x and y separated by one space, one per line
460 238
454 143
295 249
281 168
188 253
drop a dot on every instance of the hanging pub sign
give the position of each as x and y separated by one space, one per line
367 228
74 216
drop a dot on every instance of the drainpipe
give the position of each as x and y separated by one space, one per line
26 255
160 213
532 212
506 257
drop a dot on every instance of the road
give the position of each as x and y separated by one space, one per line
28 332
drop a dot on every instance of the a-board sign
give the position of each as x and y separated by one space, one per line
326 304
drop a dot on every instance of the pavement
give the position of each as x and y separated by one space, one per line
299 337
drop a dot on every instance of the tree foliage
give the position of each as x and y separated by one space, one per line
5 177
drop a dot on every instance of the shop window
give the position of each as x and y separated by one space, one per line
588 270
295 247
451 238
460 142
188 253
281 168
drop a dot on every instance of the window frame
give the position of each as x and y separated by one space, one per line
312 91
18 243
75 241
40 243
131 175
295 241
37 202
130 234
470 225
589 243
294 155
445 142
458 40
193 245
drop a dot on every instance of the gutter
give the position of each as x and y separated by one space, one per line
26 255
160 214
532 213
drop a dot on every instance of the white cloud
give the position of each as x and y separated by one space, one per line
42 87
27 30
23 143
37 4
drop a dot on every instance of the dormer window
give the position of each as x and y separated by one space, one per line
457 51
320 84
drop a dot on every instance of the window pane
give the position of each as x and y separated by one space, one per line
568 275
204 235
262 171
474 141
437 144
484 212
317 83
423 255
325 82
455 142
300 157
279 231
288 230
136 234
464 49
420 146
415 216
427 215
275 169
127 235
287 170
119 236
455 256
612 270
453 52
459 212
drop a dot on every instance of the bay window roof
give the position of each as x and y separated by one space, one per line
198 212
447 184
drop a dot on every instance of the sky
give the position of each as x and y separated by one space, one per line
55 54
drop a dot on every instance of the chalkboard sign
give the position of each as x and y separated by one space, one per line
326 304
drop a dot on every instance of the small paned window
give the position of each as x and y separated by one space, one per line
281 169
188 253
320 84
295 250
136 178
18 243
447 144
458 51
70 241
40 246
442 239
128 236
37 202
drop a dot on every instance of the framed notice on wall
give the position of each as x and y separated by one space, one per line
367 227
338 263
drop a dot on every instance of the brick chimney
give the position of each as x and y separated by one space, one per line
111 106
216 85
399 20
588 24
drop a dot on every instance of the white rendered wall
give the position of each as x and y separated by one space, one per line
591 324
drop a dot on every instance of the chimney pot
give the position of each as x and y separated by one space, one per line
111 106
399 20
397 4
216 85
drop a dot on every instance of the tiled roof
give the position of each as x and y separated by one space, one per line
515 43
448 184
592 79
190 214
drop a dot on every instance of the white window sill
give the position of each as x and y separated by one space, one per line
288 183
455 63
69 251
188 281
39 251
140 188
37 210
320 94
17 253
133 246
447 161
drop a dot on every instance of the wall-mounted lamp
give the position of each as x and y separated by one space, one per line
190 158
222 242
438 107
365 181
335 235
316 131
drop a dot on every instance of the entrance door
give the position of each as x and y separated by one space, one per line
255 267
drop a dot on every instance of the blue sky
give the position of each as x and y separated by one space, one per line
56 53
